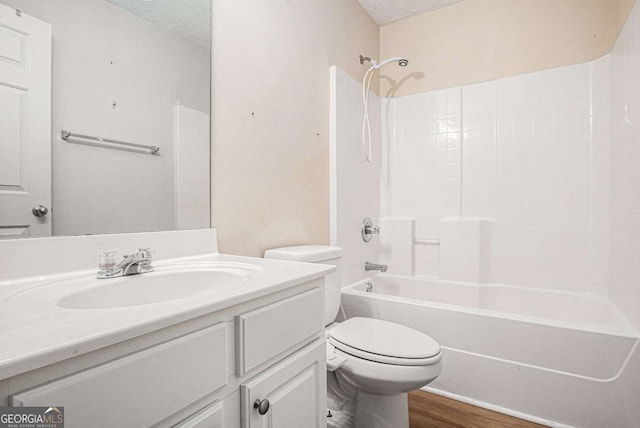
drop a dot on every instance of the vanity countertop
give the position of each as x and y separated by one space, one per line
35 331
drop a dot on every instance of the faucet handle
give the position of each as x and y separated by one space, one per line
146 252
107 259
368 229
372 230
145 256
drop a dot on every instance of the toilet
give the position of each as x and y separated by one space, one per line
374 362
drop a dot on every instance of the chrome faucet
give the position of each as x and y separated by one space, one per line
372 266
132 264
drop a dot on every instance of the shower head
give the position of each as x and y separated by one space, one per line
402 62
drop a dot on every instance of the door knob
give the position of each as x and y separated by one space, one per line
261 405
40 211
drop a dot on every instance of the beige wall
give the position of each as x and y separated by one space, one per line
270 121
477 40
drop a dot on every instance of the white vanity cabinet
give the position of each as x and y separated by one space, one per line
209 371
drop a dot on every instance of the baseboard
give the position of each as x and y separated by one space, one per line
495 408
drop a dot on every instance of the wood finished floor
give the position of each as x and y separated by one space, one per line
433 411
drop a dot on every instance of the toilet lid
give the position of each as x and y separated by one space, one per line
384 341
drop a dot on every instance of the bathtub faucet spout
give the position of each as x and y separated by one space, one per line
372 266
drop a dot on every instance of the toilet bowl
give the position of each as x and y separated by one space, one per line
383 357
383 362
375 362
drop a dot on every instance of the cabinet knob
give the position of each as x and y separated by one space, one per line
261 405
39 211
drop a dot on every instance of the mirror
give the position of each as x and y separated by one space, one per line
132 71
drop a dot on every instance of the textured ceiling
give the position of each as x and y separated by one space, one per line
388 11
189 19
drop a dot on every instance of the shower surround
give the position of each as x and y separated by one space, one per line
511 176
505 181
529 181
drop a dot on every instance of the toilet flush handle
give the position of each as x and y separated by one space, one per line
261 405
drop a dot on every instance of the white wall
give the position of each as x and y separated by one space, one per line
625 171
102 54
355 186
421 178
518 166
552 179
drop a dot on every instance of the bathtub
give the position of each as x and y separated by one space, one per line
561 359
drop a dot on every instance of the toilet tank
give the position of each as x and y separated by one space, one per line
323 254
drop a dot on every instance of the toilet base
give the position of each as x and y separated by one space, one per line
382 411
340 405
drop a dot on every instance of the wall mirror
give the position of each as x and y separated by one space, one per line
118 71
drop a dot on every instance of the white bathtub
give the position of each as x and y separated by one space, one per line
558 358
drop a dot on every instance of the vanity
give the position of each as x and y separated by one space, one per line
205 340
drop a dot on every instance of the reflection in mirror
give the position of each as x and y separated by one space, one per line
135 71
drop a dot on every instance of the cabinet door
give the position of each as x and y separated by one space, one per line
295 390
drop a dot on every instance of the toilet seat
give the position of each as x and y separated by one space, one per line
384 342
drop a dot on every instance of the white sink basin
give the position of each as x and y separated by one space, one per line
167 283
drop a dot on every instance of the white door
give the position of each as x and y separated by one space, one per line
25 125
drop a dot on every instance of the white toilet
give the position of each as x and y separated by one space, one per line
376 362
